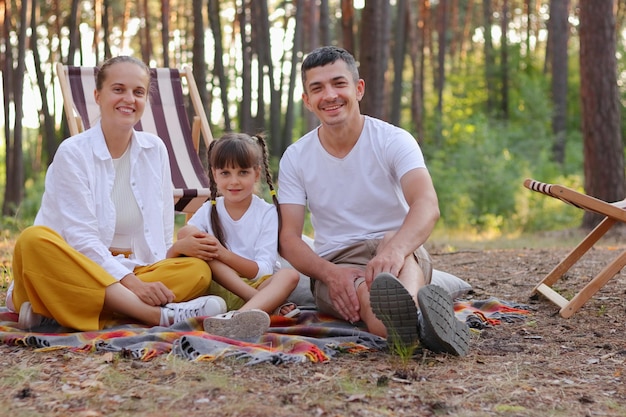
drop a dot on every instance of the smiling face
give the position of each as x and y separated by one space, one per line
236 184
332 94
122 94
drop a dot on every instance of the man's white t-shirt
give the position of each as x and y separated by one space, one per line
254 236
354 198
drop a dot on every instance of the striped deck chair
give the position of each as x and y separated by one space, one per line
614 213
165 115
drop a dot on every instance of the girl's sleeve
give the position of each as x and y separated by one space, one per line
266 246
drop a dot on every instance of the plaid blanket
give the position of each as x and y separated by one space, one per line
312 337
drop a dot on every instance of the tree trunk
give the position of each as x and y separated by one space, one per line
297 47
258 45
311 40
441 69
106 8
347 25
97 21
49 132
528 5
245 114
465 34
490 60
324 23
14 190
504 61
455 30
218 53
125 19
602 141
146 46
7 76
559 30
416 33
74 33
374 58
399 49
165 31
199 70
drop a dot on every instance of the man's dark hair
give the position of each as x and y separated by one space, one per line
327 55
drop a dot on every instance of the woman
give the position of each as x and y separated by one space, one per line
102 240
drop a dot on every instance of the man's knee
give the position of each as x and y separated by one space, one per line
425 263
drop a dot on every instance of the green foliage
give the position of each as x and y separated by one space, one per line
479 168
25 216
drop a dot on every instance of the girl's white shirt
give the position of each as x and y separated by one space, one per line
354 198
254 236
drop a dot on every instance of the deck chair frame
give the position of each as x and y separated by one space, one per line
613 214
165 116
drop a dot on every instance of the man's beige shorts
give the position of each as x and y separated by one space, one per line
358 255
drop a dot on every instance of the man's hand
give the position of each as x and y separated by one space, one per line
342 292
151 293
387 260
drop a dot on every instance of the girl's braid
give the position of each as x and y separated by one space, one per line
268 172
216 225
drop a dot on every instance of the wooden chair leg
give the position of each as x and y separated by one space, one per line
576 253
569 307
594 286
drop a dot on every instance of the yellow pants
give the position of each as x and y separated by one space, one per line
233 301
63 283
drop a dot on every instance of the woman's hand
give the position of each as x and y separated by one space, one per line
151 293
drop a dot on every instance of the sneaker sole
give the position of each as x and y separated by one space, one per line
26 319
394 306
242 325
441 330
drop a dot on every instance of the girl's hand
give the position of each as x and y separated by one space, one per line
198 245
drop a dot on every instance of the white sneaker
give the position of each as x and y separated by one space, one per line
28 319
209 305
239 325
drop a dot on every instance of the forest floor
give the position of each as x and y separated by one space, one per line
542 366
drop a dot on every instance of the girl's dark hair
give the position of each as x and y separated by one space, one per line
103 69
237 150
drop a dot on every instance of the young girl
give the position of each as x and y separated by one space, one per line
237 233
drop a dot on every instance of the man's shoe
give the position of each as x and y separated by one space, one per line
439 329
209 305
240 325
394 306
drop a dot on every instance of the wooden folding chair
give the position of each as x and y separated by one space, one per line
613 213
165 115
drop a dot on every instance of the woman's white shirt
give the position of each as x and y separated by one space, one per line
77 200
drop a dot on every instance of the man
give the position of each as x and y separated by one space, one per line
372 205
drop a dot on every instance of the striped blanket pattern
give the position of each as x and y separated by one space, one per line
312 337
